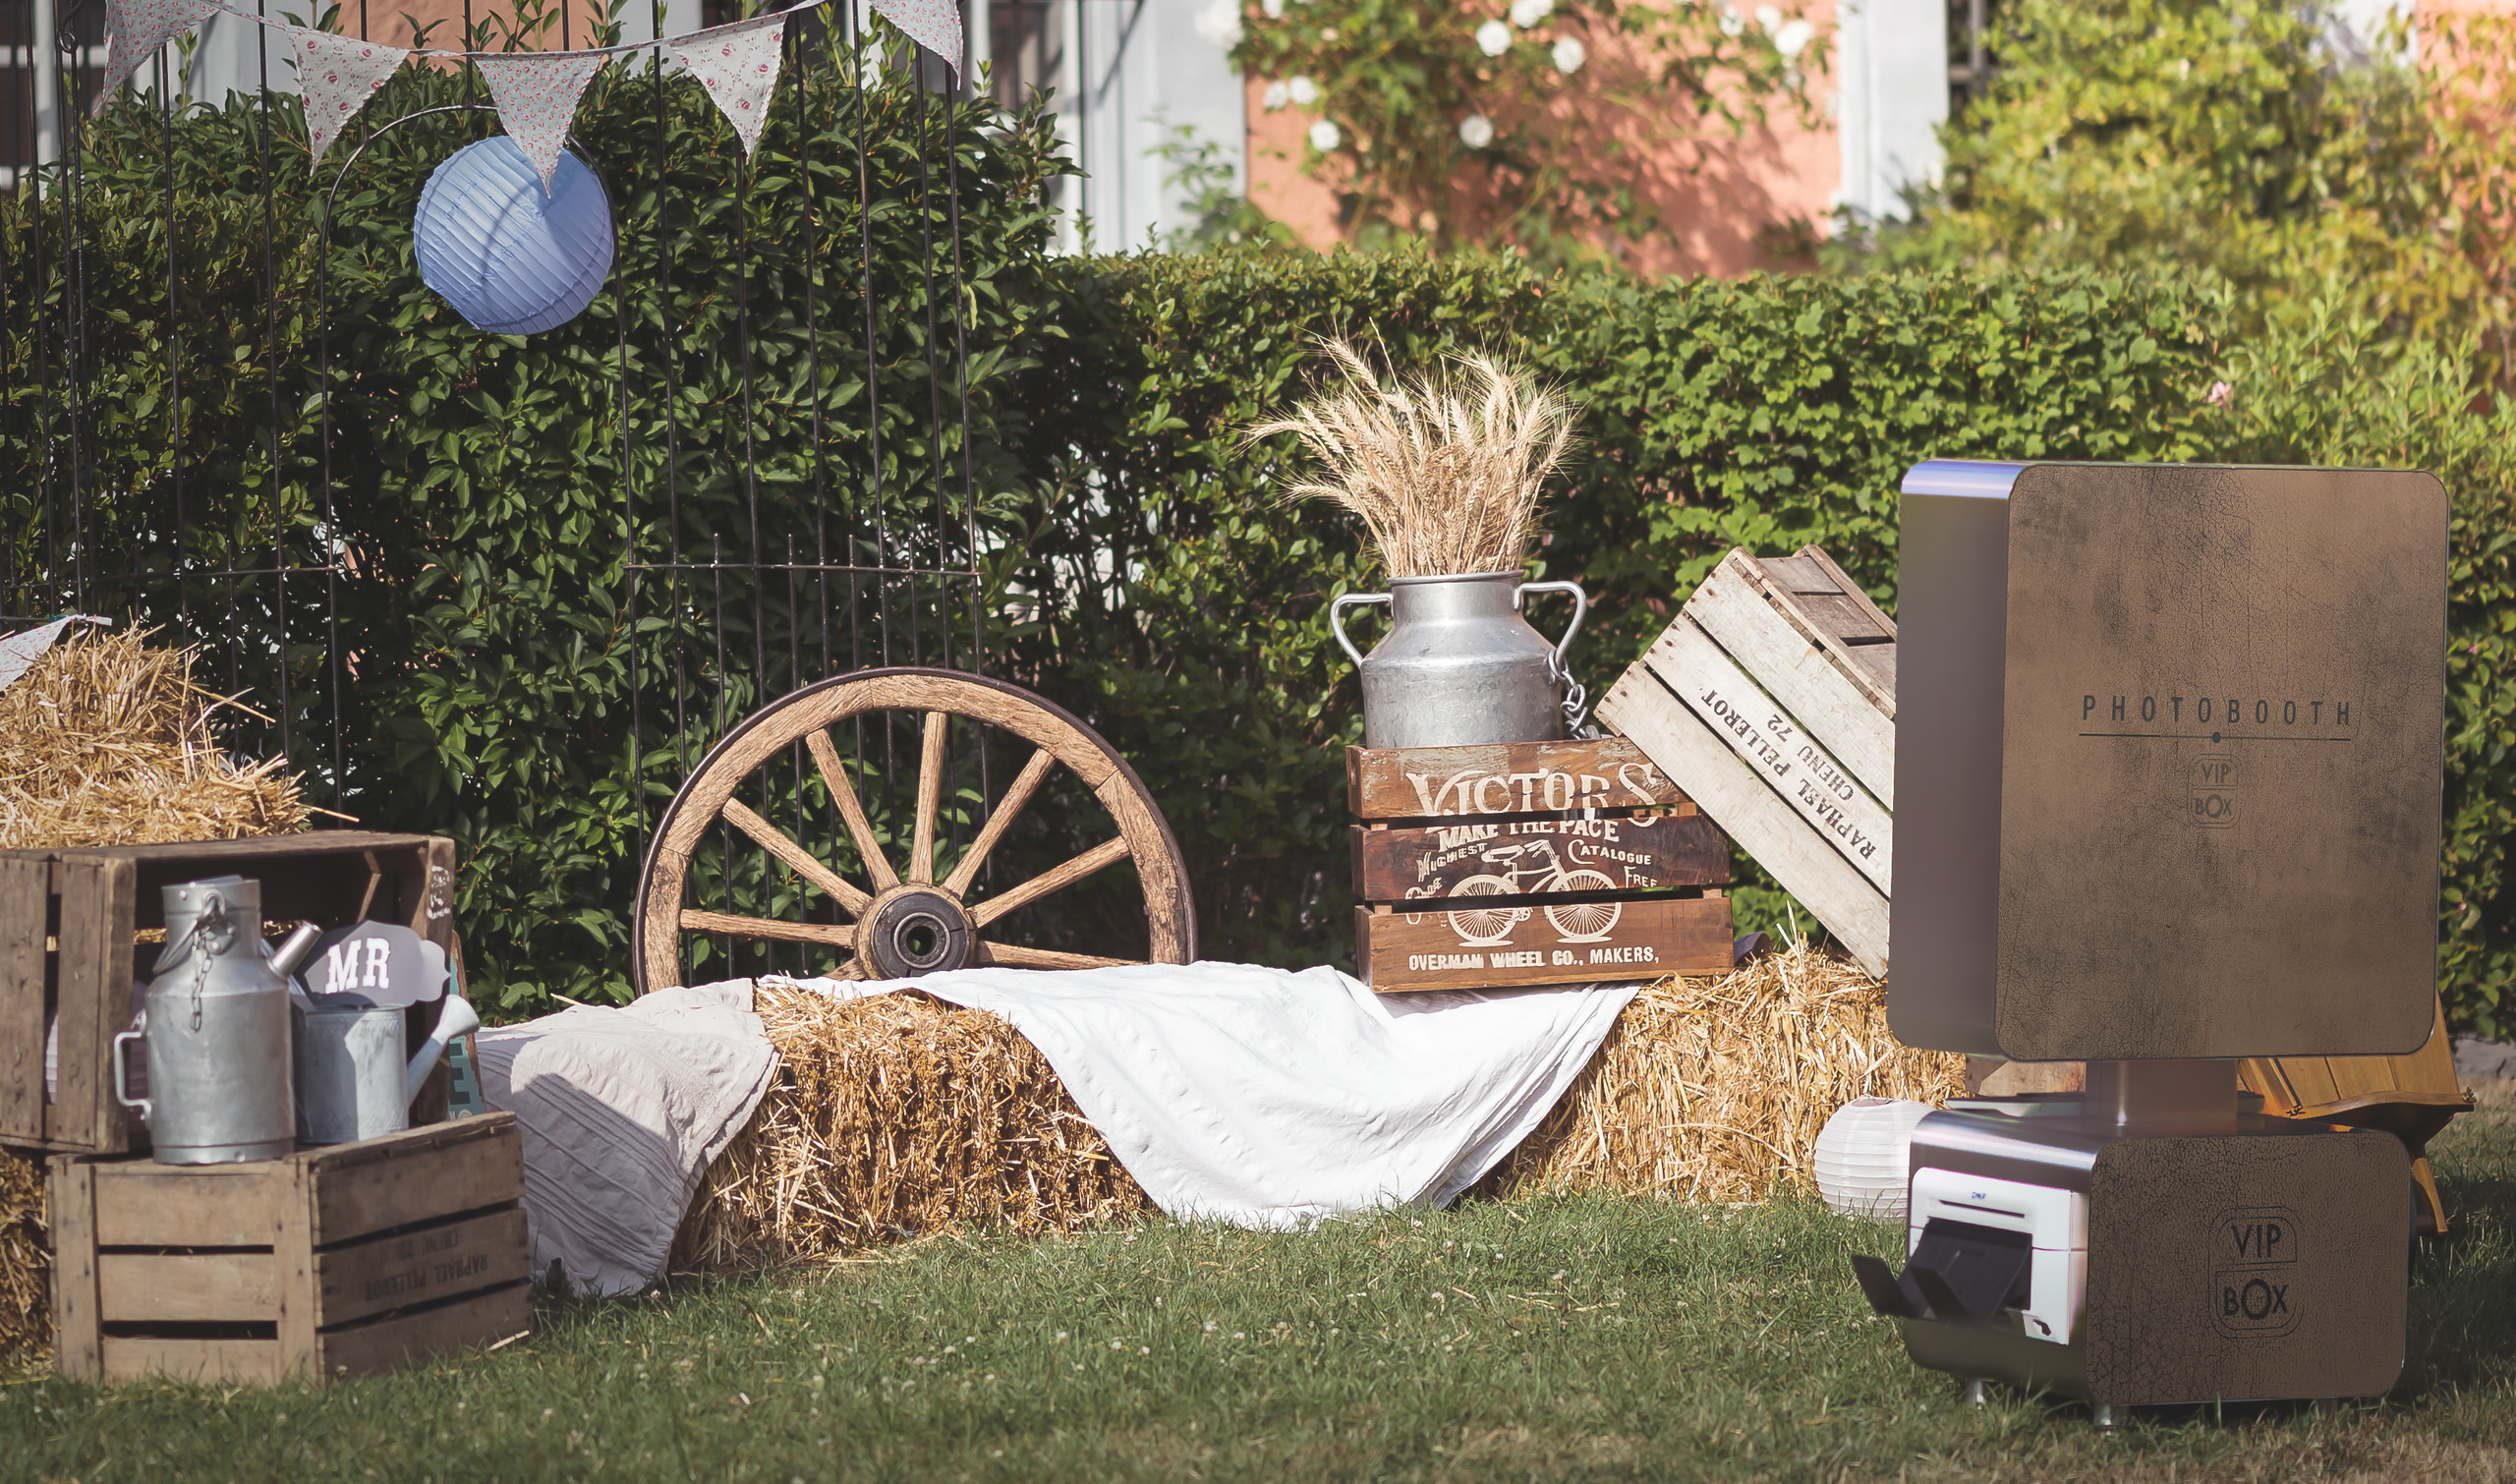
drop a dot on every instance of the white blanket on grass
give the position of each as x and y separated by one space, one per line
1268 1098
621 1112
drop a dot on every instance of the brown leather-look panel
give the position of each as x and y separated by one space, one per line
2224 1268
2221 721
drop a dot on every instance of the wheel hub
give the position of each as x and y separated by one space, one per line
911 931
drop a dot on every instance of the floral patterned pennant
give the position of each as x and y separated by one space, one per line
536 95
134 29
738 66
338 74
935 25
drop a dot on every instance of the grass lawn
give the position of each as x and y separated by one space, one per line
1579 1338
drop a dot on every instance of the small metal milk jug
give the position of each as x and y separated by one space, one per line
214 1023
1460 665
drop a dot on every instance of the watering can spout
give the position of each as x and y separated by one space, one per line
457 1019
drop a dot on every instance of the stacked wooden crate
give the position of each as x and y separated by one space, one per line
339 1261
1771 701
1555 862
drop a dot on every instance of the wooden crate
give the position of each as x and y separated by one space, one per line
68 920
1554 862
345 1260
1771 701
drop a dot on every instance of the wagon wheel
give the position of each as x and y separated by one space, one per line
905 922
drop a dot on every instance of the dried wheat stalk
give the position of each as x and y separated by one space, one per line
1446 469
25 1262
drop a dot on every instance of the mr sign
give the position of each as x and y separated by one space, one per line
381 963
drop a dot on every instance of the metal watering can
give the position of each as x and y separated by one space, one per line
352 1081
1460 665
214 1023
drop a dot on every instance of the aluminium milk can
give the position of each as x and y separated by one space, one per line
215 1024
1458 664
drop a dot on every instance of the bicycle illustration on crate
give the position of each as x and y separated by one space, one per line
1545 873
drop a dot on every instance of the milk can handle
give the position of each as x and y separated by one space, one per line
122 1061
1580 610
1337 610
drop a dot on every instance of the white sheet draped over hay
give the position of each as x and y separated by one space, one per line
1268 1098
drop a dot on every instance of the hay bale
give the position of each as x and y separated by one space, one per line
897 1114
1715 1089
105 740
26 1263
893 1117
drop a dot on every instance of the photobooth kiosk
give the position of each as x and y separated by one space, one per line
2169 758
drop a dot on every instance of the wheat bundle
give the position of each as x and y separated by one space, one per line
26 1265
896 1115
105 740
1715 1089
891 1116
1446 470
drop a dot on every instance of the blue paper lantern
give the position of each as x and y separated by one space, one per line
511 259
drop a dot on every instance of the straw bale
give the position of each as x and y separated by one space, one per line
105 740
25 1264
1715 1089
897 1116
893 1117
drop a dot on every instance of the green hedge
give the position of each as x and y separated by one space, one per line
1163 590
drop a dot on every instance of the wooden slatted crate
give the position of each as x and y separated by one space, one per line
1771 701
1554 863
344 1260
69 921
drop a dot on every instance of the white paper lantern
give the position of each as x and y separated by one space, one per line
1861 1155
511 259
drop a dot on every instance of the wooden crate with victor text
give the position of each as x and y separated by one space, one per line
1556 863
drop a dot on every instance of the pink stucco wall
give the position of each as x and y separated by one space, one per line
1712 214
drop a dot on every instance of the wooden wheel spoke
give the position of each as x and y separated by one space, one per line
1008 956
1106 853
929 793
775 841
966 869
694 920
852 810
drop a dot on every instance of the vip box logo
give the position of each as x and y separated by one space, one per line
2252 1271
2215 791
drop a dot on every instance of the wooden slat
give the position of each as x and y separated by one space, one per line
1401 951
234 1362
25 892
1517 777
1754 815
775 841
851 810
1108 853
695 921
300 1311
94 998
187 1288
999 820
1808 679
70 1201
930 796
419 1267
1784 757
1817 558
1014 956
139 1203
1637 854
356 1190
383 1344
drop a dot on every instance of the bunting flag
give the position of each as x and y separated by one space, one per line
135 31
935 25
536 95
338 74
738 66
